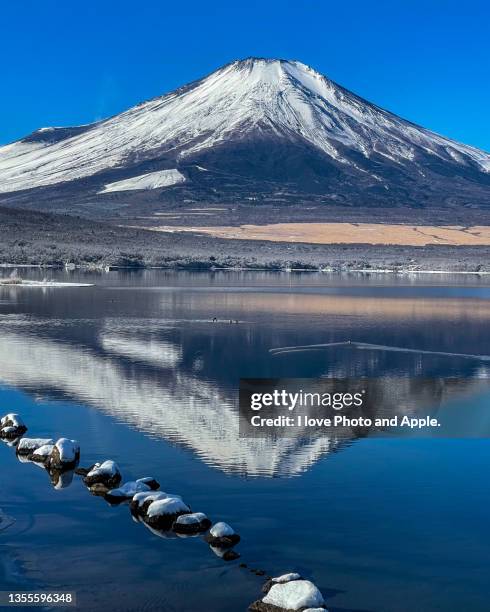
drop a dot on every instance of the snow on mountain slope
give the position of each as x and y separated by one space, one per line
246 101
152 180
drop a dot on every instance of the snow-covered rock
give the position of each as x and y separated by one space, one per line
195 522
162 513
42 454
222 535
151 482
27 446
290 595
65 454
141 501
129 489
106 473
12 426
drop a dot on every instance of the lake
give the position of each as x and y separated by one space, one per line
137 371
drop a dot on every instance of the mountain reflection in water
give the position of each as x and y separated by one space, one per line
151 356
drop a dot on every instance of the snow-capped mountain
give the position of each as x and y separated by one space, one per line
255 130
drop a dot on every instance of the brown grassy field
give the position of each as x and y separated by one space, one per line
349 233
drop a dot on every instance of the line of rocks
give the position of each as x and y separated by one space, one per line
164 514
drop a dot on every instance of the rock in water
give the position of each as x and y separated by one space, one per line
106 473
27 446
150 482
12 426
141 501
42 454
65 455
290 596
196 522
129 490
162 513
222 536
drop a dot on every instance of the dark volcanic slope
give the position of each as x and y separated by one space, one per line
255 132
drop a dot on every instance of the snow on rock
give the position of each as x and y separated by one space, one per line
140 498
291 595
191 519
169 505
286 578
151 482
27 446
12 426
106 473
141 501
152 180
195 522
65 454
42 454
11 420
222 535
162 513
218 530
129 489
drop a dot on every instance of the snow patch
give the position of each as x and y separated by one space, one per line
152 180
286 578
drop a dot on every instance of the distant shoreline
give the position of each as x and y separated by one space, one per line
363 271
51 241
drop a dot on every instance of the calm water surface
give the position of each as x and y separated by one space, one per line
135 369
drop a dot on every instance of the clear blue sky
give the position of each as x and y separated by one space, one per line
70 62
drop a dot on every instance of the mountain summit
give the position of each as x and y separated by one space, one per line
254 131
